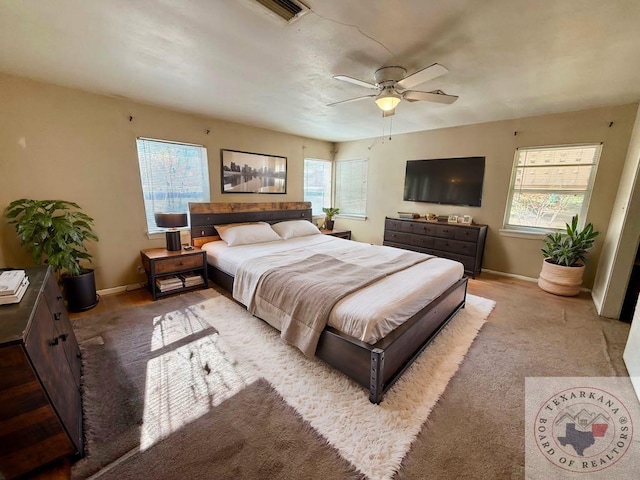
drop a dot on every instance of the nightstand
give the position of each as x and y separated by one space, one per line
174 272
346 234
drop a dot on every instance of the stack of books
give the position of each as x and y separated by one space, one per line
167 284
191 279
408 215
13 284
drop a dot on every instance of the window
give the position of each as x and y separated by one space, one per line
172 174
351 187
317 184
549 185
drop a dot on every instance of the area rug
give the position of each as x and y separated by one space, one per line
172 368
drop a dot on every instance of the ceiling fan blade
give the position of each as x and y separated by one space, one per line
437 96
421 76
355 81
350 100
388 113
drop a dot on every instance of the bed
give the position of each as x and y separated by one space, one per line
401 324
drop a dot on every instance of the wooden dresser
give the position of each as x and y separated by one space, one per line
40 403
460 242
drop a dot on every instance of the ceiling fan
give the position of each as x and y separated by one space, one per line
392 86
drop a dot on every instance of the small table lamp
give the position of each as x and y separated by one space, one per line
172 221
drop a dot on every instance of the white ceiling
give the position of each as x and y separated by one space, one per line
229 60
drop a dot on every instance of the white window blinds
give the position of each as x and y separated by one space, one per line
317 184
351 187
172 174
549 185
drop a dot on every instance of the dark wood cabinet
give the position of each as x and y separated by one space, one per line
40 402
460 242
159 263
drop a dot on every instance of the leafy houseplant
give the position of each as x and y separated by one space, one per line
329 213
564 258
54 232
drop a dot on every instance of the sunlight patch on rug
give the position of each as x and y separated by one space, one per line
374 438
184 382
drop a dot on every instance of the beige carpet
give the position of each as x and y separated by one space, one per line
174 373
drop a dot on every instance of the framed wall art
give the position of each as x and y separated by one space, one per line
245 172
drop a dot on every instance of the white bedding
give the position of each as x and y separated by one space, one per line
370 313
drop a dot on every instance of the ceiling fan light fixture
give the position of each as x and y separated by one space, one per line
388 100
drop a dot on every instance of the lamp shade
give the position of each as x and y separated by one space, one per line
387 102
171 220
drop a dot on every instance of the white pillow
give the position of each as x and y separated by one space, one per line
247 234
295 228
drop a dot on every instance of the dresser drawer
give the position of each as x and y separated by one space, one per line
397 237
454 246
183 262
63 326
444 231
422 241
422 228
466 233
53 296
395 225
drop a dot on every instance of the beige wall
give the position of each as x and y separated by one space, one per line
497 142
621 241
67 144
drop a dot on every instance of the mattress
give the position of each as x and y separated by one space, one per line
370 313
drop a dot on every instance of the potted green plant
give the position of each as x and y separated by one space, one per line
329 213
54 232
564 259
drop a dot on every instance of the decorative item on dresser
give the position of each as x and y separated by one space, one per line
40 402
464 243
173 272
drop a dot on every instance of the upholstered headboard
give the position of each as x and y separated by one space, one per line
205 216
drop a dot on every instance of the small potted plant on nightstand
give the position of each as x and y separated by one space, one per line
329 213
54 232
564 259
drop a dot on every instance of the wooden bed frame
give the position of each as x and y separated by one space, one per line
376 367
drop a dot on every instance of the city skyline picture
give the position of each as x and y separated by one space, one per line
245 172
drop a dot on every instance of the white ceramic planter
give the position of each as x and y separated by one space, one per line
560 280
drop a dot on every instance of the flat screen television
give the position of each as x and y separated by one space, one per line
448 181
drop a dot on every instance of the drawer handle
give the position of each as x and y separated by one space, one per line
56 316
64 337
59 297
54 342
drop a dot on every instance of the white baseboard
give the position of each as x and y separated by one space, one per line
528 279
121 288
512 275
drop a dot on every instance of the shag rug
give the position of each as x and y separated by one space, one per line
153 376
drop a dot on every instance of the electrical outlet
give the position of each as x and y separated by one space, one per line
140 269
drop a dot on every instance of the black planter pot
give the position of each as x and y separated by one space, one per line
328 224
80 291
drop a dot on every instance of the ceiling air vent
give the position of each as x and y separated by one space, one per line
287 10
